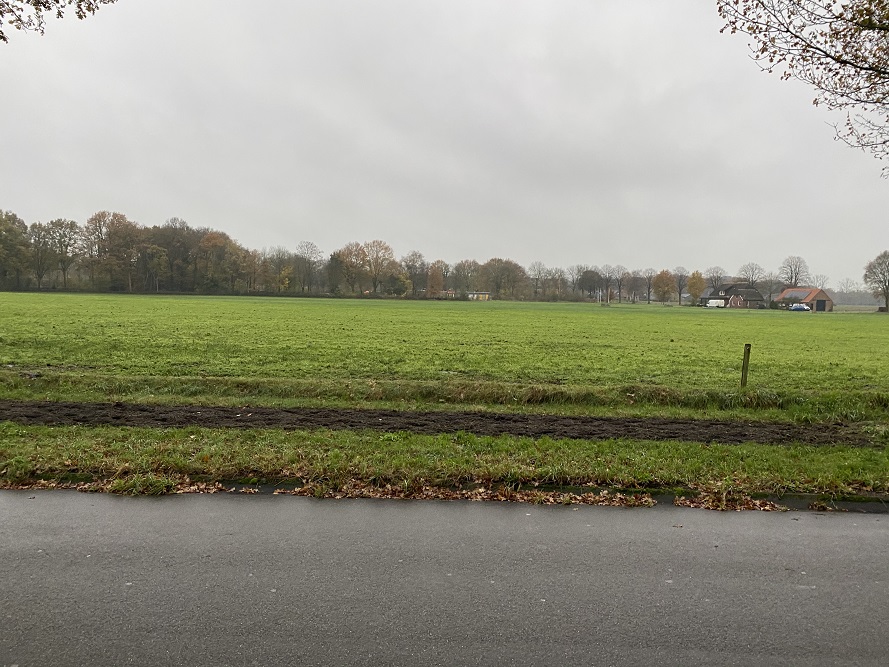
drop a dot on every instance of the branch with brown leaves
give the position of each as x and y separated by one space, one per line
31 14
839 48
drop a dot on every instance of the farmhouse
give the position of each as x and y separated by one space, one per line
816 299
478 296
734 295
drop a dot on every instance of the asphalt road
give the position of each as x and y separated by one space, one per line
273 580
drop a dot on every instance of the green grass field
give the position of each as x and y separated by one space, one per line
288 351
578 344
626 359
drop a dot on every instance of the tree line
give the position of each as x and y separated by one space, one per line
110 253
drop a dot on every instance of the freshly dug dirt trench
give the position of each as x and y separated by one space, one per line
480 423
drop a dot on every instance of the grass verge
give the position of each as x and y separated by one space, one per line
627 400
154 461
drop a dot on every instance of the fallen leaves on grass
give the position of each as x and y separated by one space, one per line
42 484
821 506
731 502
200 487
357 489
183 486
706 499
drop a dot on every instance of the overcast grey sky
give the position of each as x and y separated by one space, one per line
561 131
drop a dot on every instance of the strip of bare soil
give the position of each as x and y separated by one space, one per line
480 423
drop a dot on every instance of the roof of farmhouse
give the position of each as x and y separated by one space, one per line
740 289
798 293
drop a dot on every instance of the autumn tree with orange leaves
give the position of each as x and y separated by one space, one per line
663 286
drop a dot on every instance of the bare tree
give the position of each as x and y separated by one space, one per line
608 274
876 276
621 275
64 235
93 246
714 277
504 277
307 260
280 260
680 275
151 266
751 273
556 280
634 285
839 48
416 268
379 260
848 286
820 280
445 269
574 272
537 274
771 285
180 241
110 241
794 271
43 255
648 275
466 275
352 264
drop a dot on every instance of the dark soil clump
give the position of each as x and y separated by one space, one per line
480 423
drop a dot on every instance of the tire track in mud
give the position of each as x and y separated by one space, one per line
51 413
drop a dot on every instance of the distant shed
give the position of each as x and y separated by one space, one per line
816 299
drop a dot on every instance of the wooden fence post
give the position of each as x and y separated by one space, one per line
745 365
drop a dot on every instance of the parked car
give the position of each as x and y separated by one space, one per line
800 306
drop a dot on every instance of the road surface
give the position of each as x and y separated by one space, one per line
277 580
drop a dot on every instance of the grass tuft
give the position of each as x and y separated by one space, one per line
17 469
143 484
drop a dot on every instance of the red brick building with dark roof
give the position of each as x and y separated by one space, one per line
734 295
